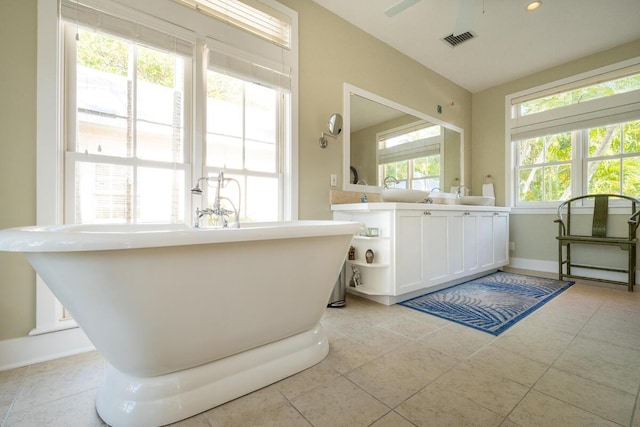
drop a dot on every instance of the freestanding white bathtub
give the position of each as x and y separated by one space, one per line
190 318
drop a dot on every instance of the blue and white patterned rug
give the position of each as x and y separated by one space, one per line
491 303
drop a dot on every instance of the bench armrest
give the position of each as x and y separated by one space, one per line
562 230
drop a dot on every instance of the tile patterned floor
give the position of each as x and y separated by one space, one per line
574 362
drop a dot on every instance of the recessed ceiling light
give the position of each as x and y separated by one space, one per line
533 5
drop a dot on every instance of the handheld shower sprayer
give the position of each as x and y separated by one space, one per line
217 210
197 190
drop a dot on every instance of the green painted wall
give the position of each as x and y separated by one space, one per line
17 159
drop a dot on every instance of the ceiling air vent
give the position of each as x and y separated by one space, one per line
454 41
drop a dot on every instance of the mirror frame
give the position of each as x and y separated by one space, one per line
349 90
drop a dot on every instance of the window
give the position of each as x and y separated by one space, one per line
575 137
242 133
544 168
128 142
582 94
613 159
412 155
124 129
261 20
126 152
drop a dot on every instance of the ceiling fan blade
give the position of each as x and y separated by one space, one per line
399 7
466 11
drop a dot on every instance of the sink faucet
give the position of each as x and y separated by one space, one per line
363 198
217 210
461 191
390 178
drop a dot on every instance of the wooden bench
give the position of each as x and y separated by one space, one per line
599 234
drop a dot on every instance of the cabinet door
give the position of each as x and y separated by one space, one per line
435 247
501 238
470 237
457 244
485 240
408 250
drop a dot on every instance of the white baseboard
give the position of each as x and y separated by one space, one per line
533 264
19 352
552 267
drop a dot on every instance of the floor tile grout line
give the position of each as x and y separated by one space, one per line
635 415
23 378
290 403
29 408
576 335
387 413
578 407
551 366
413 342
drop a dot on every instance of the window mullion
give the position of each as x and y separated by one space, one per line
132 118
199 120
280 152
70 83
244 126
579 159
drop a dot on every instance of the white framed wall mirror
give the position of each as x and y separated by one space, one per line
385 139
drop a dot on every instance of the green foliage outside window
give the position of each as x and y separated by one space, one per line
103 53
622 85
224 88
615 167
613 163
426 166
631 137
399 170
111 55
610 154
549 177
425 172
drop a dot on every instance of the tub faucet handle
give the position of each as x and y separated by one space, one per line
196 218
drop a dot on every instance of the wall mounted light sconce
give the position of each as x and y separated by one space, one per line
533 5
335 129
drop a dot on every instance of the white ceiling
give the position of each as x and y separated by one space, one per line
510 42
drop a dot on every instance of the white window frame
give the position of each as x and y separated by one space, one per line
72 157
49 142
625 106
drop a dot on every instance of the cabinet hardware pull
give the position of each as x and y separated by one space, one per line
496 213
467 214
427 212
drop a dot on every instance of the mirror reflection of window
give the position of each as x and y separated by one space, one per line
412 154
421 131
368 115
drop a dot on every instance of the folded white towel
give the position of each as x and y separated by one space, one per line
487 190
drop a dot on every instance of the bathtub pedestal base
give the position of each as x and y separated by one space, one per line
124 400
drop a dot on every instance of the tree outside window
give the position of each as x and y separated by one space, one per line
555 161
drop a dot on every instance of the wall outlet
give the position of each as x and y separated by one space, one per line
334 180
512 246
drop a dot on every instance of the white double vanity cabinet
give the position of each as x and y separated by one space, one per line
423 247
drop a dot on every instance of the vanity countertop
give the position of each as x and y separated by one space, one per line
382 206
